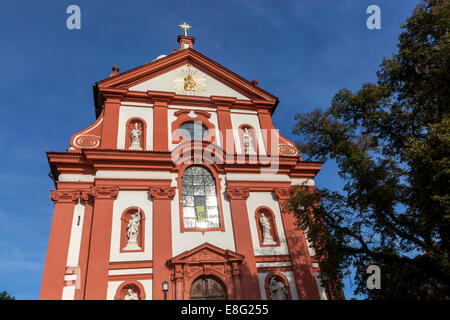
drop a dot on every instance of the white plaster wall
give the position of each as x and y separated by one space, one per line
288 274
267 199
238 119
114 285
188 240
124 200
165 82
127 112
105 174
73 252
322 291
112 289
171 118
75 235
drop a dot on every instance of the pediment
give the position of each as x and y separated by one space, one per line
207 253
187 72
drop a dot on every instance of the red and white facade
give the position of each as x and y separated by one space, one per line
101 181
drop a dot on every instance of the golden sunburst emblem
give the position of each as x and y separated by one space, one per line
189 81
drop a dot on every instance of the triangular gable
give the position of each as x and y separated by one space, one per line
207 252
173 81
165 74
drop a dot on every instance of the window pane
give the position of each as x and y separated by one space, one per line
199 199
189 212
188 201
193 130
211 201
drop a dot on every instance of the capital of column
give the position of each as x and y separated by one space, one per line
238 193
104 192
282 193
162 192
66 196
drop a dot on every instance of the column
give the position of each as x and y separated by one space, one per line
97 269
243 241
160 119
304 278
236 275
225 126
162 238
265 122
111 121
58 244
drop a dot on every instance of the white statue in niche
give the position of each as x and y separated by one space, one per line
131 295
133 231
277 290
135 135
247 141
265 224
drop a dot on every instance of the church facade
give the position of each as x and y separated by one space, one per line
176 191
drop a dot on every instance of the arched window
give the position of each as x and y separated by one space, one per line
193 130
200 206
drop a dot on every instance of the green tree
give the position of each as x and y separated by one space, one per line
5 296
391 142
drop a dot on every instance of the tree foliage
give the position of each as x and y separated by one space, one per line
5 296
391 142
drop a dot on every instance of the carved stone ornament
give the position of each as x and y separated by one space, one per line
162 192
278 290
131 295
65 195
135 137
133 231
238 193
265 224
104 192
282 193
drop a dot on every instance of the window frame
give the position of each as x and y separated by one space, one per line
217 181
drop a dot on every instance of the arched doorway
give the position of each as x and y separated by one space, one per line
208 288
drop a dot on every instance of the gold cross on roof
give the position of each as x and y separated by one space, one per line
185 26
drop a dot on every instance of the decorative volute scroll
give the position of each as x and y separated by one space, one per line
103 192
285 147
65 195
89 138
238 193
162 192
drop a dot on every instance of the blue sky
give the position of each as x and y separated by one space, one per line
301 51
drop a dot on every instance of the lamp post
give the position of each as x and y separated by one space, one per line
165 288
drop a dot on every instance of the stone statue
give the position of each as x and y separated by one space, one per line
247 140
277 290
133 231
265 224
131 295
135 135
